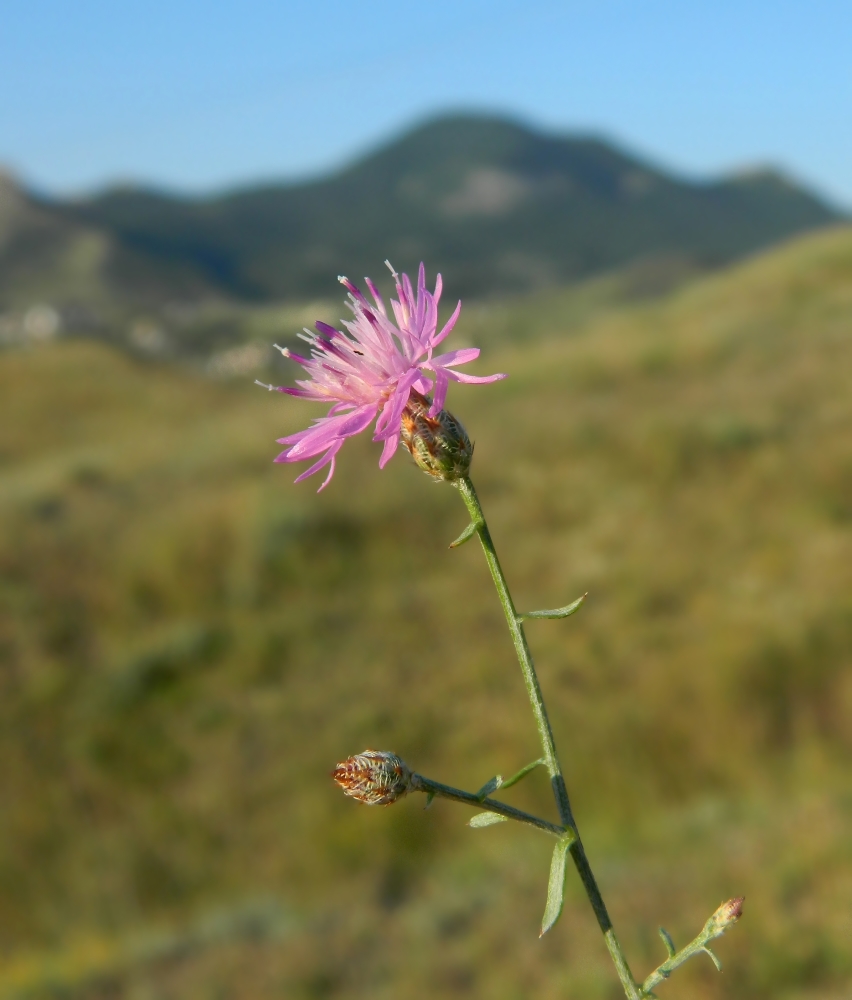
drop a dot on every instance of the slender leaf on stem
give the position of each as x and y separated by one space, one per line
486 819
715 959
430 798
667 941
466 535
524 771
569 609
556 884
490 786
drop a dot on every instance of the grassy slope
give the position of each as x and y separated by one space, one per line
189 642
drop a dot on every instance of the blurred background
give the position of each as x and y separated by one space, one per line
646 211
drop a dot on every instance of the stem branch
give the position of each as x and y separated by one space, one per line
421 784
723 919
548 744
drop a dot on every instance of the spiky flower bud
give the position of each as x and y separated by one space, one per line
726 916
439 444
374 777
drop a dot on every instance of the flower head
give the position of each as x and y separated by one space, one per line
374 777
368 370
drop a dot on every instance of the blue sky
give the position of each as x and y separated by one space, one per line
197 96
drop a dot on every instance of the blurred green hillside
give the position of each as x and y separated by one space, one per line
189 643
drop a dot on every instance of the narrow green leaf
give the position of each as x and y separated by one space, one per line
569 609
490 786
466 535
486 819
430 798
524 771
556 884
667 941
715 958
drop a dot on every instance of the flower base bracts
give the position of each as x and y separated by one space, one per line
374 777
438 444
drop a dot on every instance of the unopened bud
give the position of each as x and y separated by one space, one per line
726 916
374 777
439 444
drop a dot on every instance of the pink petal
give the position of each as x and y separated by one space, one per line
327 479
309 442
400 311
354 289
384 416
409 293
448 326
293 438
460 357
324 432
380 302
391 444
301 393
358 420
430 322
340 408
388 422
296 357
422 299
441 383
439 287
471 379
327 457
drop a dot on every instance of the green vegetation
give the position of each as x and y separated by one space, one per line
189 643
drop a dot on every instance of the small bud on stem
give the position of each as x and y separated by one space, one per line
726 916
374 777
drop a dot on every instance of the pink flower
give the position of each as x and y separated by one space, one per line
370 370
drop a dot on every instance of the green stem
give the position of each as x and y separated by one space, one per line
548 744
421 784
662 972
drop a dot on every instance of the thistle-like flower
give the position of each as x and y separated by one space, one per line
372 368
374 777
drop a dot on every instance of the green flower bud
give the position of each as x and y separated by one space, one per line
726 916
439 444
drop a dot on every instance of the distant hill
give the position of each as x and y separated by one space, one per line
50 252
496 205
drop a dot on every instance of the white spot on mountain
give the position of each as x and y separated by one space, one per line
487 191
